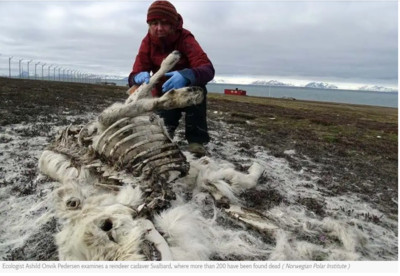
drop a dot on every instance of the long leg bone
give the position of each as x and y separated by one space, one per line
252 218
176 98
144 91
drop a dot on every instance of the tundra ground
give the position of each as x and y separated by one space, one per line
352 150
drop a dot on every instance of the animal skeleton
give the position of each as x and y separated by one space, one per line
117 175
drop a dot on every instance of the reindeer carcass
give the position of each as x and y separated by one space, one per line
116 174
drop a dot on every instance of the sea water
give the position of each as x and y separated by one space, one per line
388 99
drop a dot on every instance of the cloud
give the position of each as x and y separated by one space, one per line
349 40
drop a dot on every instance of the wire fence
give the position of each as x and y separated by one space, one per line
15 67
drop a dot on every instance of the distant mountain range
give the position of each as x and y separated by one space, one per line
271 83
377 88
319 85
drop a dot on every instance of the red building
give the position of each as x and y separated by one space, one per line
235 92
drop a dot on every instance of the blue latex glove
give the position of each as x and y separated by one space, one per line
175 81
142 77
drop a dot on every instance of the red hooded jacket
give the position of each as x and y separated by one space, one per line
193 65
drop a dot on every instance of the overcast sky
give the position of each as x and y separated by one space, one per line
290 41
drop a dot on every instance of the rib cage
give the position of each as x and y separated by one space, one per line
141 146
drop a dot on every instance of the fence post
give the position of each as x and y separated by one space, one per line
20 75
42 69
9 67
28 67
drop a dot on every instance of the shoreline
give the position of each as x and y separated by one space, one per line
212 94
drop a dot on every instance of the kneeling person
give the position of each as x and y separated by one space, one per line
166 34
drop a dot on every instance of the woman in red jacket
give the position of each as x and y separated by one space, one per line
165 35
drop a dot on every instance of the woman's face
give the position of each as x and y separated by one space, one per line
160 28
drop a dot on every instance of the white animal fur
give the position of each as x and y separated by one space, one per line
221 179
192 237
57 166
102 228
186 234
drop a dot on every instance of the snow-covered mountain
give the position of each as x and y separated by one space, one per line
376 88
321 85
271 83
